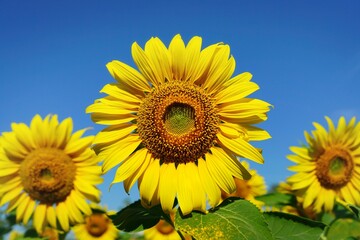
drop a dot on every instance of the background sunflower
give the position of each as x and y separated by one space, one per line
328 166
48 172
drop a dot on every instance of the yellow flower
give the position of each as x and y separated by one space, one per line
48 172
178 124
162 231
96 226
249 189
328 168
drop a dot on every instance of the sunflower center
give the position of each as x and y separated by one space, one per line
179 118
334 168
164 227
177 122
47 175
97 224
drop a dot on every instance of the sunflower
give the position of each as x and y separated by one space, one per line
161 231
249 189
97 226
177 124
328 167
48 172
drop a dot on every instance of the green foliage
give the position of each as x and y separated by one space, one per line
135 217
277 199
288 226
343 228
233 219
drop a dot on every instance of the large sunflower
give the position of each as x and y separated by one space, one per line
178 124
48 172
328 167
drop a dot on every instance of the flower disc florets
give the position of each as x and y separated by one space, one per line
177 122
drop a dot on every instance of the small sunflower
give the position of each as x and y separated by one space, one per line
177 126
161 231
328 167
97 226
249 189
48 172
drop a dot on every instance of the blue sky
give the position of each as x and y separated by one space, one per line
305 55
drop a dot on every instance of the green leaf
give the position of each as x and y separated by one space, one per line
344 228
277 199
137 218
233 219
287 226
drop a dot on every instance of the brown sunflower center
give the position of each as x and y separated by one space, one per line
47 175
334 168
164 227
97 224
177 122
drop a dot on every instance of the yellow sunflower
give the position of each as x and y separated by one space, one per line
97 226
328 167
161 231
178 124
48 172
249 189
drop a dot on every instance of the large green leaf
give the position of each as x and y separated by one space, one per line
233 219
287 226
137 218
277 199
344 228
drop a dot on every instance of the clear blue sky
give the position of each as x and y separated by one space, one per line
305 55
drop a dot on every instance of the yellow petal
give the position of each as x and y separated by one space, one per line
197 190
114 133
16 202
159 56
233 165
301 152
220 173
23 134
111 119
145 65
10 195
241 148
39 217
177 52
168 186
51 216
125 74
185 196
150 182
20 210
192 56
119 151
87 189
74 213
28 211
130 165
129 182
114 90
80 202
235 92
76 147
64 131
212 190
62 215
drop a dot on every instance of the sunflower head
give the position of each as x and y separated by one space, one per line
96 226
327 166
178 123
48 172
